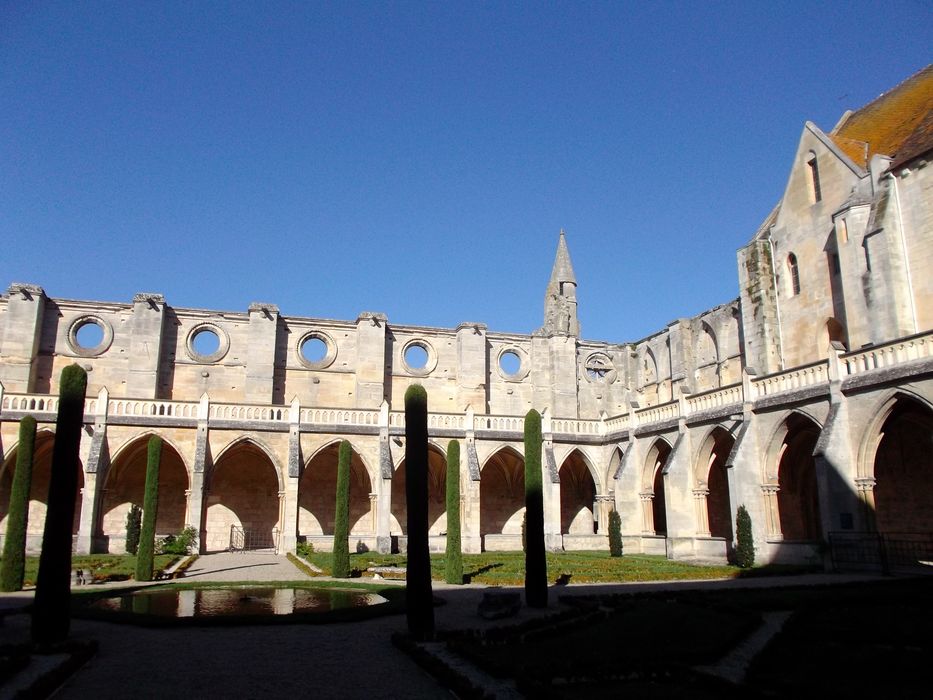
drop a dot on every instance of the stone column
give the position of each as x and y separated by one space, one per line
647 512
194 514
866 496
699 498
89 501
260 352
19 339
95 462
280 542
770 492
602 507
142 379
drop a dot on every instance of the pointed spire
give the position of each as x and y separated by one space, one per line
563 269
560 299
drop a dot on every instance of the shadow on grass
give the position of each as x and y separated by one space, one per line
468 577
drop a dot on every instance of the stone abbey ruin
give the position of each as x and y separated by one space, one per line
808 399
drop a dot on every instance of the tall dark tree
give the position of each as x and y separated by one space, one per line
51 612
134 519
615 534
341 557
535 557
454 556
420 597
146 552
745 546
13 567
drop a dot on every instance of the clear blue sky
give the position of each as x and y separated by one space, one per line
418 158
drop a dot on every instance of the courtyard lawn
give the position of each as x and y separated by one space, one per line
508 568
104 567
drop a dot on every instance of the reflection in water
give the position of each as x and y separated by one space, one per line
237 601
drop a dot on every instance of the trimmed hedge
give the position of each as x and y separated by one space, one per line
13 567
134 519
51 612
418 580
341 554
615 534
146 551
454 557
535 558
745 547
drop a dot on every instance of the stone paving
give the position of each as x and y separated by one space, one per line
343 660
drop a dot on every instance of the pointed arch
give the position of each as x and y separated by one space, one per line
577 495
124 485
437 492
242 491
794 470
902 466
317 495
653 497
711 481
502 494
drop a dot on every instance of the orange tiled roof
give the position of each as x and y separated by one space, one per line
897 124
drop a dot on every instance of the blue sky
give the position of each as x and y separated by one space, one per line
418 158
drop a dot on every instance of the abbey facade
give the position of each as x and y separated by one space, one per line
808 399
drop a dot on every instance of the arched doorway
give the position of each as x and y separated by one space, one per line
712 484
38 491
125 485
652 493
797 496
903 470
242 500
437 496
502 500
577 497
317 499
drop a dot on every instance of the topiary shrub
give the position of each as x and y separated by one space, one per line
51 612
535 557
13 567
146 551
341 553
134 521
420 597
180 544
615 534
745 547
454 558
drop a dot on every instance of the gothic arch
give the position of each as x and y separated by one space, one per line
578 489
124 485
792 469
258 444
774 449
901 480
399 455
317 493
437 494
711 483
707 346
873 434
502 493
126 444
652 487
588 462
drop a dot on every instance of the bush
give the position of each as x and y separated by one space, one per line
615 534
745 547
134 521
454 557
180 544
419 596
303 549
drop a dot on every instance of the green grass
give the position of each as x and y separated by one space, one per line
104 567
508 568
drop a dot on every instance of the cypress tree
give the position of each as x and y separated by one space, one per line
341 558
51 612
535 558
615 534
454 556
13 567
745 547
144 555
420 598
133 522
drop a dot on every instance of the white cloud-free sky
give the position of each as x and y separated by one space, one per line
417 158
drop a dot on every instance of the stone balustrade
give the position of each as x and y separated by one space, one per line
790 380
887 355
707 400
657 414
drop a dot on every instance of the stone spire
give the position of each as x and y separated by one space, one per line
560 300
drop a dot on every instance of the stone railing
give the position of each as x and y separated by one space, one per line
916 347
790 380
575 426
32 403
337 416
247 412
511 424
620 422
726 396
169 409
657 414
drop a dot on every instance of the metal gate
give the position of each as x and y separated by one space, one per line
884 552
253 540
